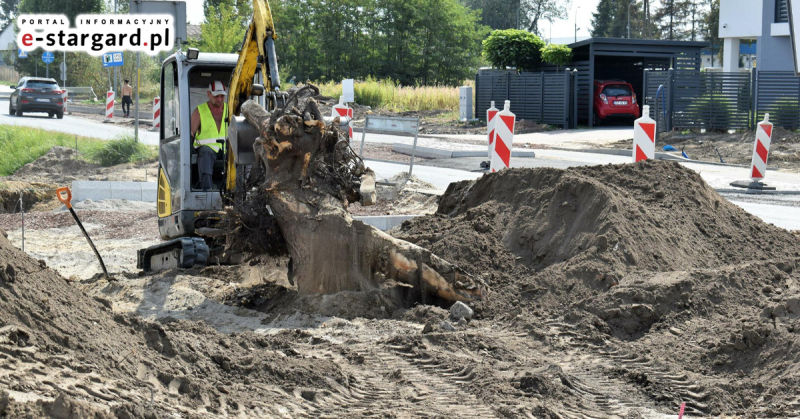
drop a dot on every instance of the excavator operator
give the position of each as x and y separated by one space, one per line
208 126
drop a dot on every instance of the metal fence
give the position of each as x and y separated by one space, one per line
778 93
700 100
542 97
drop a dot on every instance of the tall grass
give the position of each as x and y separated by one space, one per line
22 145
386 94
124 149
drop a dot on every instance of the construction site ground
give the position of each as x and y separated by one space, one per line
619 290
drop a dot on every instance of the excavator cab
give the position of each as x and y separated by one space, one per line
188 216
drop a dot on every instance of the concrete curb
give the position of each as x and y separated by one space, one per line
435 153
146 192
384 222
99 190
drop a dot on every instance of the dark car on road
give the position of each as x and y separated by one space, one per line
614 98
34 94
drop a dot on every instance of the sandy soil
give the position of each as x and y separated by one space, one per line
737 148
612 295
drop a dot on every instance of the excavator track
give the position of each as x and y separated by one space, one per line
184 252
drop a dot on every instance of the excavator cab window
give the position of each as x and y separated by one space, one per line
200 78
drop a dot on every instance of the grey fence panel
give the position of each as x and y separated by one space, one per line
778 93
583 91
710 100
540 97
555 100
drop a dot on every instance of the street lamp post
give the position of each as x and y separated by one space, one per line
576 23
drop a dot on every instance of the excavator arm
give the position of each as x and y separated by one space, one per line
256 56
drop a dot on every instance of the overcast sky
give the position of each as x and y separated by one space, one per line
560 29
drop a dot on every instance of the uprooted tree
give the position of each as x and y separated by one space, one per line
311 174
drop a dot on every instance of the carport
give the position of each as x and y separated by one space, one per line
626 59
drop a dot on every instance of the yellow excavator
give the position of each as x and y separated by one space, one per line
188 216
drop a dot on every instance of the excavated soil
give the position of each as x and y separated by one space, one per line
615 292
736 148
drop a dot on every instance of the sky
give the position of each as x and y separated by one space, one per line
562 29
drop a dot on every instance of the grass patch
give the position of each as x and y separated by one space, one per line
8 83
386 94
124 149
22 145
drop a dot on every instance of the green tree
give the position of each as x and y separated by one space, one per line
8 12
243 9
601 19
557 55
33 65
513 48
223 30
535 11
409 41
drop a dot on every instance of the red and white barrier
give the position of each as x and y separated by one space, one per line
490 122
110 104
503 138
341 110
156 112
761 149
644 136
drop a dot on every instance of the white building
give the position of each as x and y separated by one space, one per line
763 20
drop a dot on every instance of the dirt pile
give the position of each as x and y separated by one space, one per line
654 216
61 165
644 265
64 354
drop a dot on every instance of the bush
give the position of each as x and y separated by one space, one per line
783 113
125 149
557 55
513 48
723 107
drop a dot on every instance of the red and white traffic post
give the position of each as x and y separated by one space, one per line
503 139
342 110
761 149
156 112
64 100
644 136
110 104
490 122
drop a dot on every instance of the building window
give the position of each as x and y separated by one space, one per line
781 11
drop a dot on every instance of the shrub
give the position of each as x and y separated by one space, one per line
722 108
125 149
783 113
513 48
557 55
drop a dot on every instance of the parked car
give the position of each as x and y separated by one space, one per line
612 99
34 94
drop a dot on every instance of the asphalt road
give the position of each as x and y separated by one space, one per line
73 125
783 212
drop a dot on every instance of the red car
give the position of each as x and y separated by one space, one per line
614 98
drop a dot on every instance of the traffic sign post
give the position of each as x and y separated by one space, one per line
22 54
48 58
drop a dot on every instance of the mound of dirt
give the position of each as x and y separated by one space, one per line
65 354
61 165
644 264
653 216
